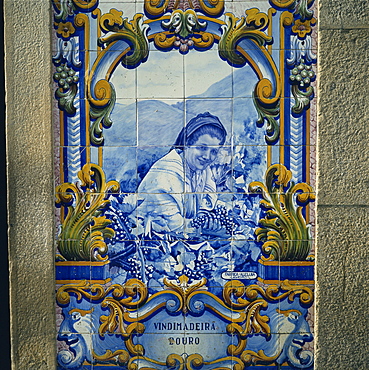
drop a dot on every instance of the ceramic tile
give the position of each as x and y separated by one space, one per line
213 221
123 131
207 76
300 74
249 164
299 355
246 129
76 323
124 159
66 271
149 156
125 82
170 325
220 108
238 7
123 221
278 270
164 81
130 262
129 7
207 330
246 214
117 3
160 346
159 121
70 161
187 123
65 356
67 50
310 318
101 345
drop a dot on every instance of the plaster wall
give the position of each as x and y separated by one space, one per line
341 284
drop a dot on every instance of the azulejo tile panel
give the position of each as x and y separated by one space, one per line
185 169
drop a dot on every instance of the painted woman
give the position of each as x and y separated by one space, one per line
181 183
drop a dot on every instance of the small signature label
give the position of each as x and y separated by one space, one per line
229 275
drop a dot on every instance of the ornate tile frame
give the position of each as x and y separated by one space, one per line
283 99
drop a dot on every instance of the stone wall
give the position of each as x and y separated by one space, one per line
30 183
343 180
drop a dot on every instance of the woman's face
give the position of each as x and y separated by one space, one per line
202 153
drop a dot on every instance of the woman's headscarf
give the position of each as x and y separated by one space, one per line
202 119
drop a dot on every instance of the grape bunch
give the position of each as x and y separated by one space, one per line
65 76
192 274
302 74
149 270
121 225
183 44
219 214
135 267
203 264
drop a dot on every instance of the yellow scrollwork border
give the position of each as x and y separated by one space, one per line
247 301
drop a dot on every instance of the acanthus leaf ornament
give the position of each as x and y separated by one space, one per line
184 25
252 357
66 8
203 39
65 76
133 32
101 93
302 9
267 113
84 229
131 295
255 323
156 8
301 49
213 8
163 42
250 27
67 51
299 7
301 60
302 98
284 231
100 110
119 357
184 290
239 296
